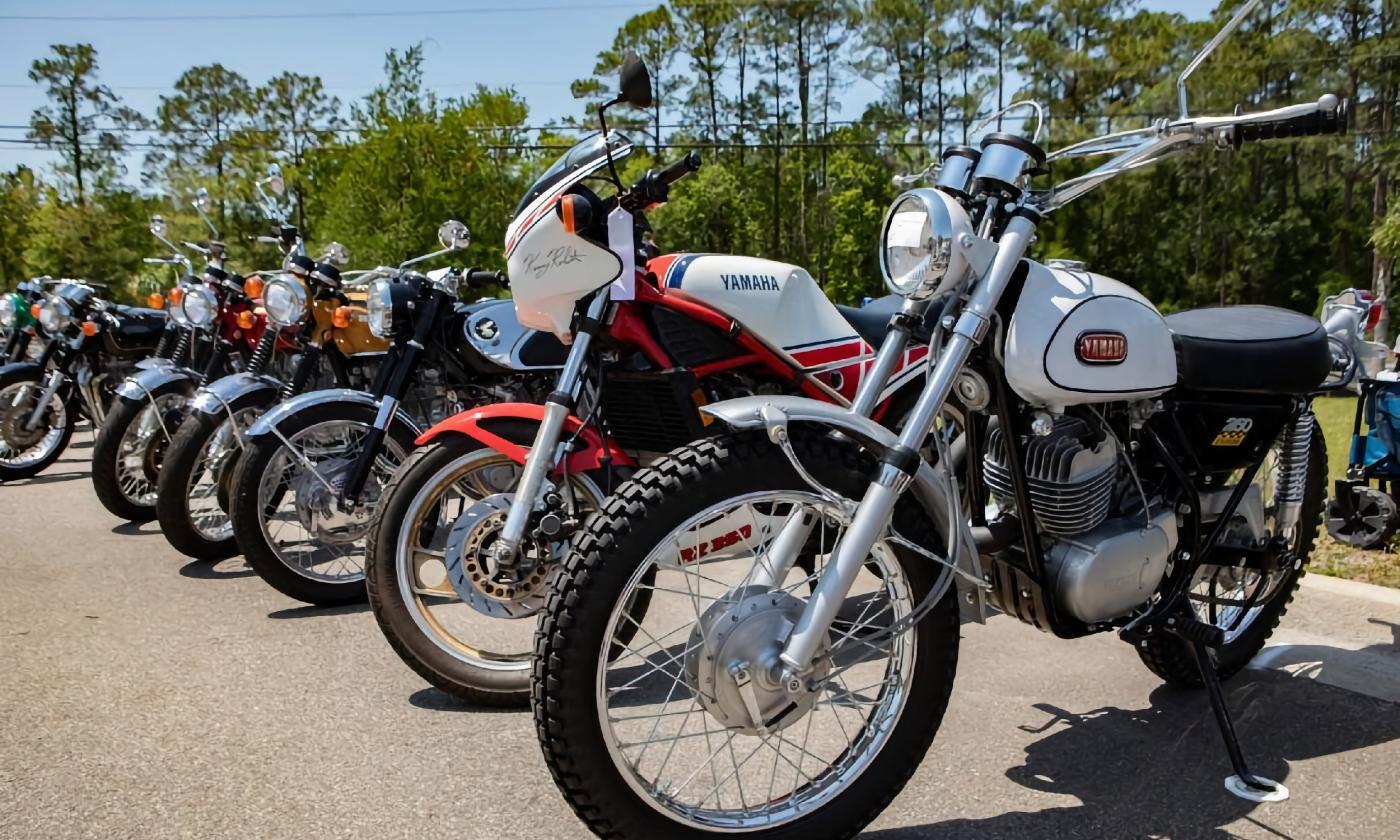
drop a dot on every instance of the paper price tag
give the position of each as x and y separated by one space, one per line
622 242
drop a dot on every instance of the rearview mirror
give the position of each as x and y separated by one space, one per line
454 235
1225 32
201 200
158 226
337 254
634 82
274 180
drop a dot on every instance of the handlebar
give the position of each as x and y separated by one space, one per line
654 187
681 168
484 278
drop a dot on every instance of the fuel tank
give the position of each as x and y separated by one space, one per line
1077 337
778 302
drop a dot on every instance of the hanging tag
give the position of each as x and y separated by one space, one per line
622 241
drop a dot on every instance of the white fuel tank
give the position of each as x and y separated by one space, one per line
1078 337
778 302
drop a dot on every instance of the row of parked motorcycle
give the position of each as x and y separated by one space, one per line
741 521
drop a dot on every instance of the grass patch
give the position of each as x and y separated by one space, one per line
1336 415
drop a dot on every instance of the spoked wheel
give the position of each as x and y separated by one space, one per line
449 610
130 449
24 451
195 484
288 515
695 730
1247 603
1369 523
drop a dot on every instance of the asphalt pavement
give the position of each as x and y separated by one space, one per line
143 695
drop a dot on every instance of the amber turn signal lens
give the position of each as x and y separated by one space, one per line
246 320
341 317
575 212
34 310
89 329
177 294
155 300
253 287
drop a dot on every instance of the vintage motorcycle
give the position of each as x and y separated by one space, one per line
1348 316
478 515
90 345
309 483
18 326
1162 478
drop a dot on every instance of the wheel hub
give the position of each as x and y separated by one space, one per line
477 577
733 667
319 508
17 438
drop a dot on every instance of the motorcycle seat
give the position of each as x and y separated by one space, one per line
1253 349
872 321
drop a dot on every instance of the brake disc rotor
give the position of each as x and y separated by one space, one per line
474 574
732 662
318 503
17 438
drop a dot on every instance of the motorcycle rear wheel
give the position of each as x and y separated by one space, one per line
573 696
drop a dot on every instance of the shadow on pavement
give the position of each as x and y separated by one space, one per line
218 570
131 529
437 700
311 611
49 478
1159 771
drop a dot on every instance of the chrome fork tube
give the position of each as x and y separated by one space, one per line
543 452
50 388
876 508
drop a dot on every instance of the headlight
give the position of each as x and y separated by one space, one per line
198 306
7 312
918 243
380 308
54 315
285 301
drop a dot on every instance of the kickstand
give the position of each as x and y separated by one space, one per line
1243 784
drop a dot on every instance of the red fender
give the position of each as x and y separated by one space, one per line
475 424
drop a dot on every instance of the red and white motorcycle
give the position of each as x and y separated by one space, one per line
475 518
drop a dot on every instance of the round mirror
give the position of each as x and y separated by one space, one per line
201 200
337 254
158 226
453 234
274 179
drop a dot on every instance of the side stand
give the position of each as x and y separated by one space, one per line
1243 784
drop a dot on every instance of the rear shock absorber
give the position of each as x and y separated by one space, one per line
1292 481
165 346
307 365
262 354
182 347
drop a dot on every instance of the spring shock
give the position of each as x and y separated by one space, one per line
164 347
182 347
263 352
1292 482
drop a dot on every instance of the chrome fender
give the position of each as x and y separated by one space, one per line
932 486
153 363
144 384
229 393
268 423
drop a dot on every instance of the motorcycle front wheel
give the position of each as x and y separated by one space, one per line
195 484
681 726
24 453
129 450
286 508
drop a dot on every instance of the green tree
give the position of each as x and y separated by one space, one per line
199 123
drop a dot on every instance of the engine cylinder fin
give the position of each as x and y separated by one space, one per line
1070 482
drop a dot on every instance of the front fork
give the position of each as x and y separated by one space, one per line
51 386
873 514
545 451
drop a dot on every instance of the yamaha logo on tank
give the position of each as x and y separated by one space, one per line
749 283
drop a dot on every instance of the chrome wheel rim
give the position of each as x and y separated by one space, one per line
421 574
20 455
321 544
678 757
135 455
207 482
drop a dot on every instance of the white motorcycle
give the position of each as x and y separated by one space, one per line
1161 478
1348 316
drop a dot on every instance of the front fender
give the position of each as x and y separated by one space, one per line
932 485
236 391
271 420
485 425
142 384
27 368
154 363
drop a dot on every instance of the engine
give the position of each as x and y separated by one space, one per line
1106 548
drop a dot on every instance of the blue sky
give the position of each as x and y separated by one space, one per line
538 46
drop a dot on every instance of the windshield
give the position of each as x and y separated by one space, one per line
583 157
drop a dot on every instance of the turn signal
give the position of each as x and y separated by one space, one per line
89 329
341 317
253 287
34 310
177 294
246 320
575 212
155 300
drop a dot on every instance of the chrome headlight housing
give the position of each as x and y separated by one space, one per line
284 299
199 306
54 315
919 250
8 318
380 308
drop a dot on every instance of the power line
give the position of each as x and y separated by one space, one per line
338 15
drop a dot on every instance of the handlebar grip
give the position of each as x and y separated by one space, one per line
484 277
681 168
1308 125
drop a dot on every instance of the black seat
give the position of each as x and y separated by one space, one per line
872 321
1254 349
